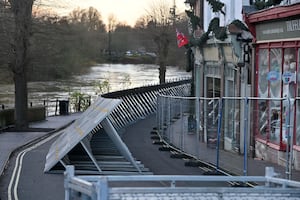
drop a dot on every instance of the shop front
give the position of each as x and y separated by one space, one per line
217 76
277 83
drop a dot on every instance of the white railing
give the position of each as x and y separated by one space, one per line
169 186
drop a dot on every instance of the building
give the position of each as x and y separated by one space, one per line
276 43
217 69
223 67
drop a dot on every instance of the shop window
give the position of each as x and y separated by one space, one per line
230 111
263 73
277 78
211 109
298 102
288 90
263 69
289 72
274 111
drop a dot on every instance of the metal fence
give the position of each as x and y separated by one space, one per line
140 102
169 187
192 124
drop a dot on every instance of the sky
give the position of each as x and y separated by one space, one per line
124 10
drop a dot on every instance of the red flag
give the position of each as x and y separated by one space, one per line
181 39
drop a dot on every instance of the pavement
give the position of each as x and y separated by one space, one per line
137 138
10 142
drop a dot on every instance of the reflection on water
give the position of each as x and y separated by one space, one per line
119 77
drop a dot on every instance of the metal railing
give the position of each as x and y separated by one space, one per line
168 187
188 113
140 102
192 124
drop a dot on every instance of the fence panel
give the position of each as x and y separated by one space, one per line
157 187
229 125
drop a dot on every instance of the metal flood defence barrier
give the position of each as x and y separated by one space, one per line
92 143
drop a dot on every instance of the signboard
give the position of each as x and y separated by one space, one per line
278 30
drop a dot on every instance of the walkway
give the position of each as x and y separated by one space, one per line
11 141
138 139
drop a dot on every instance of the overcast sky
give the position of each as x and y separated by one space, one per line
125 10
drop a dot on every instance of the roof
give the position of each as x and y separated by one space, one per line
273 13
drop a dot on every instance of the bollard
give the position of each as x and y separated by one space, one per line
56 104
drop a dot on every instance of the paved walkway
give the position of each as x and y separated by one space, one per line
231 162
139 143
137 137
12 141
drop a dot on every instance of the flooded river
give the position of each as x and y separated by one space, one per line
119 77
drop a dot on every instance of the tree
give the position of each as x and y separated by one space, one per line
22 11
160 27
141 22
62 46
6 30
89 18
112 22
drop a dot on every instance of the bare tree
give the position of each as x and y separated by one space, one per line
112 22
22 11
142 22
90 18
6 30
160 25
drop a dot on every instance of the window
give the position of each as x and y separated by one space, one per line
212 91
230 109
298 102
263 69
277 78
274 79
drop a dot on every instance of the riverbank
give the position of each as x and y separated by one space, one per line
6 76
133 60
118 76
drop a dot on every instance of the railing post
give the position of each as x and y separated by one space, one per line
197 113
182 125
170 135
69 174
79 104
220 115
56 107
246 136
102 189
289 148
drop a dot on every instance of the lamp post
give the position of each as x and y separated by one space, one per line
245 65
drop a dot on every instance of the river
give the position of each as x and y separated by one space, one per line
119 77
